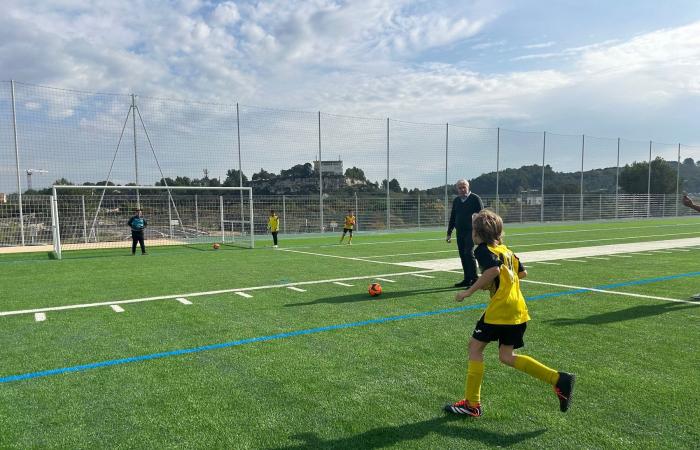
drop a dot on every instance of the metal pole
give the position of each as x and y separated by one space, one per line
678 177
170 220
357 214
388 201
85 238
544 148
419 211
19 181
320 173
196 213
562 207
498 158
240 169
649 184
617 179
284 214
600 206
136 159
252 220
221 213
583 150
447 142
521 207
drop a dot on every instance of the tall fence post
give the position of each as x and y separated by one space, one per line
388 201
418 211
320 174
544 148
136 155
357 213
447 142
678 177
498 161
19 181
82 202
617 178
240 168
563 206
583 151
649 184
284 214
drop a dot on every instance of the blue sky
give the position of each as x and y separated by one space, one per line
603 68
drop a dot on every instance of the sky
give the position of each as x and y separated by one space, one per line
626 69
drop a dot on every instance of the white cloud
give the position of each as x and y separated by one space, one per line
225 13
540 45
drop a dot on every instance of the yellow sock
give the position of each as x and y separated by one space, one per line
536 369
475 373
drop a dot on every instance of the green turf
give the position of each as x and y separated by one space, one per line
377 385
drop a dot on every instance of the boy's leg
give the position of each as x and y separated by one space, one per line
471 405
134 240
274 238
342 237
350 239
142 243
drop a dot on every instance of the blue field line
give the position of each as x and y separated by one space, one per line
205 348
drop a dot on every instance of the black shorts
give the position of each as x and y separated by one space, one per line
347 230
504 334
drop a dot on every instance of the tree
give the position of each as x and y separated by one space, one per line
262 175
634 178
394 185
299 171
355 173
688 162
232 178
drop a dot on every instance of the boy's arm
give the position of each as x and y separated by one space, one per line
689 203
482 282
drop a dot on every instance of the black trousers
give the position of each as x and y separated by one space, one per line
466 255
274 237
137 236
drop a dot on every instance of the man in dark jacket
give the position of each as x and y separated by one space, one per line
138 224
463 207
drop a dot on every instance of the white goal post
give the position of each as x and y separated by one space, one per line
95 217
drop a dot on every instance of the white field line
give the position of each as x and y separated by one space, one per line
40 317
184 301
419 275
385 279
239 291
682 250
644 254
660 251
296 289
605 291
117 308
546 262
340 283
621 256
603 258
575 260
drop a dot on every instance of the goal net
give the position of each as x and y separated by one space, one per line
95 217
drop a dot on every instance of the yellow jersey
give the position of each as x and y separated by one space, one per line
273 223
349 222
507 305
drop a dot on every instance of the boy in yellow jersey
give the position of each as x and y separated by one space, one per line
504 320
348 226
273 226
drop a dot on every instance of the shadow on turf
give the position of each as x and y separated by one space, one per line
390 436
635 312
365 297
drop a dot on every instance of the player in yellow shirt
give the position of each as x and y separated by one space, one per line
348 226
504 320
273 226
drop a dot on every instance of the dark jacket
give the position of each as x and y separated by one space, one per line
461 215
137 223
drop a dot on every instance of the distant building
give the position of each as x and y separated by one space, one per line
330 167
3 197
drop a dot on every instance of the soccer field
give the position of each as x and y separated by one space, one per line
264 348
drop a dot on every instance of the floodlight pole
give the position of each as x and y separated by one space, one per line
240 169
388 200
498 162
19 182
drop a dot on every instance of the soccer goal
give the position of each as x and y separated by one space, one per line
94 217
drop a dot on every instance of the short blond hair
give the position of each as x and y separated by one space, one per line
488 226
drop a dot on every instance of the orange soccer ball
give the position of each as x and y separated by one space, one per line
374 289
216 246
